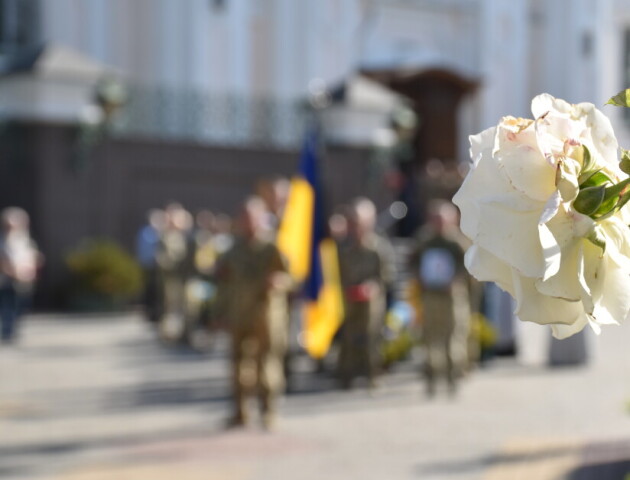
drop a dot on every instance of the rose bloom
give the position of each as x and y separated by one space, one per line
517 208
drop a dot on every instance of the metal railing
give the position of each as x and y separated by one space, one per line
224 119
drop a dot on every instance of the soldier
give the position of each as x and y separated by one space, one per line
255 282
274 192
19 263
438 264
200 290
366 270
174 266
147 244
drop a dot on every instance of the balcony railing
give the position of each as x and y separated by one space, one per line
231 120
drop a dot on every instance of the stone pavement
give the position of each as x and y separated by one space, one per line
91 398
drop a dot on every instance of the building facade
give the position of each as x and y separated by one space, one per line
201 51
217 92
217 69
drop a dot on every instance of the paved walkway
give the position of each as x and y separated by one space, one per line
98 398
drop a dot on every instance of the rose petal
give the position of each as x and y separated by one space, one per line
551 207
544 103
532 306
565 283
486 267
568 185
614 305
523 162
599 134
550 250
510 234
561 332
590 274
617 235
562 225
484 178
480 143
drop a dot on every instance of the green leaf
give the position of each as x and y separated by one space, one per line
612 197
624 164
587 159
608 205
621 187
593 179
623 200
597 238
622 99
589 199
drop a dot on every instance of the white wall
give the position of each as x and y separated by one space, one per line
422 34
503 40
611 52
516 48
259 46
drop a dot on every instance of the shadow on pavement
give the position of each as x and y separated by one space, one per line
478 464
169 393
15 459
608 460
618 470
122 440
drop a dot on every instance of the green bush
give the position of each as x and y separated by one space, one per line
103 269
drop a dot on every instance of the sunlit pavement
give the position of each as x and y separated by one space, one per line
90 398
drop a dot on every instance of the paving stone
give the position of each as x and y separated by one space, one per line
99 397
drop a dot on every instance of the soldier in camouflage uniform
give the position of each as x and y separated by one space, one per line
254 282
366 269
174 267
438 263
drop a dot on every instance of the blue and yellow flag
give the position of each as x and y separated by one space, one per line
312 257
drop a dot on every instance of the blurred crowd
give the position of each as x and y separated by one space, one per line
178 252
209 272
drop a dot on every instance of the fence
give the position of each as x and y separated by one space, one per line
218 119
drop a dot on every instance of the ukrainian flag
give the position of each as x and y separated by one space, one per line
312 257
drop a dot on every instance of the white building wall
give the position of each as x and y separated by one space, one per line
565 49
199 68
287 61
217 38
403 34
503 40
516 49
238 44
193 44
611 60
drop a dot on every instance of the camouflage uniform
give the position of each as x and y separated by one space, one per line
174 267
257 318
201 291
369 262
446 306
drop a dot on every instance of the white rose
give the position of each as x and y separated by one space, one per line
517 207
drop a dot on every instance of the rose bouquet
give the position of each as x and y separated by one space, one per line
545 205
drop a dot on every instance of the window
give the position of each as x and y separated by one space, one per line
218 5
19 25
